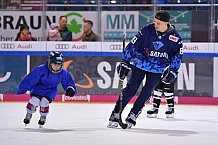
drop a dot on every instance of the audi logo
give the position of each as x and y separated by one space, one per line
7 46
62 46
116 47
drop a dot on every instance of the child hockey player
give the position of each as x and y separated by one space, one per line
42 83
154 48
167 89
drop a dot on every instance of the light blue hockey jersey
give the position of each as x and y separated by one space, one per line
154 53
41 81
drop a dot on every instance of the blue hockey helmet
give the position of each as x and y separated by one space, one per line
55 57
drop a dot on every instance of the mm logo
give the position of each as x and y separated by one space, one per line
119 21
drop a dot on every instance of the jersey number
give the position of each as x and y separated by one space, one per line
134 39
181 51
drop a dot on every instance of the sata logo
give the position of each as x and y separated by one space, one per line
173 38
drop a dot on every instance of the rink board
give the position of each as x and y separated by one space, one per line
97 75
108 99
94 72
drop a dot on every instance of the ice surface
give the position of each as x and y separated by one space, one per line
86 124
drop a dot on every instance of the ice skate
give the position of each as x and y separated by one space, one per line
131 120
113 120
152 113
42 121
170 113
27 118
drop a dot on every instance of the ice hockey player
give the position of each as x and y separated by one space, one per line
154 48
43 83
166 89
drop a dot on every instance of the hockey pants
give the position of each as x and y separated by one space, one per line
133 84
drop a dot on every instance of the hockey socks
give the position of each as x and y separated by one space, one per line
170 103
152 113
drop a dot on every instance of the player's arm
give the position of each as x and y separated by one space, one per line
177 58
68 85
29 81
175 64
132 48
130 52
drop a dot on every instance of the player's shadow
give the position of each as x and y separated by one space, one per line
170 119
208 121
162 131
49 130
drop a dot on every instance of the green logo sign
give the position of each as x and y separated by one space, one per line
74 26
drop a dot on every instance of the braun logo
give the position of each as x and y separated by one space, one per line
7 46
62 46
116 47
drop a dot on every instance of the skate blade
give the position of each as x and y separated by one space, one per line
25 125
169 115
112 124
152 115
129 125
40 126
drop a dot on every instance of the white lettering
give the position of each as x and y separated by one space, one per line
181 51
116 77
158 54
115 84
215 24
134 39
76 98
184 77
101 69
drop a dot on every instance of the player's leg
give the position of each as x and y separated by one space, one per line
44 110
152 80
152 113
170 105
31 108
168 93
133 84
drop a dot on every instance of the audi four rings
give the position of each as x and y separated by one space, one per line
7 46
116 47
62 46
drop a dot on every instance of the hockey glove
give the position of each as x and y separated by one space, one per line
70 92
170 77
123 69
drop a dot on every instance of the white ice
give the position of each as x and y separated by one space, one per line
86 124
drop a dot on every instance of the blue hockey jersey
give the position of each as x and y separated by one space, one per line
41 81
154 53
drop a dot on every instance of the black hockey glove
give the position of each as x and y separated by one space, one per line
170 77
70 92
123 69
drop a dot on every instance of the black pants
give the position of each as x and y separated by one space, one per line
165 88
133 84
